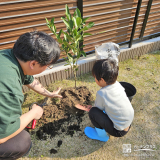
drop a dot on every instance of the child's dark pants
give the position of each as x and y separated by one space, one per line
101 120
15 147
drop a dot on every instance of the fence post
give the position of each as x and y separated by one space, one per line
146 18
80 7
135 23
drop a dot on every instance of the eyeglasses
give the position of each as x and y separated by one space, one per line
49 67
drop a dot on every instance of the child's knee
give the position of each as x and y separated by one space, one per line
93 111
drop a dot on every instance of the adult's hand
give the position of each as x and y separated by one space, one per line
37 110
35 113
56 93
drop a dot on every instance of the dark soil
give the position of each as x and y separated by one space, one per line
60 111
53 151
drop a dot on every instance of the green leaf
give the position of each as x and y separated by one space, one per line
78 13
91 24
77 37
70 55
67 37
47 21
52 21
68 45
70 58
65 22
75 32
48 24
54 29
67 12
82 46
83 53
59 40
63 46
68 30
78 56
60 32
77 22
85 19
84 29
87 34
71 24
74 14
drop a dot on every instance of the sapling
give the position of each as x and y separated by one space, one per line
71 38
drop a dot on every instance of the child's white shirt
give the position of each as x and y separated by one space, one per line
116 104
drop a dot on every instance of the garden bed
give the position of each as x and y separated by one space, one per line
143 73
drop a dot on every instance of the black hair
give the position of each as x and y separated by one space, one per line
106 69
37 46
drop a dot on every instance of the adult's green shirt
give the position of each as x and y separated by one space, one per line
11 97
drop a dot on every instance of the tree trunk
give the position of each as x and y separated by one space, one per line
75 77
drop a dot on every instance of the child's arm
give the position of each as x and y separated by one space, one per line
37 87
85 108
99 101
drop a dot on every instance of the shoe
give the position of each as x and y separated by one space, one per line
97 134
101 132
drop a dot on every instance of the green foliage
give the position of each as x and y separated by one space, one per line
71 37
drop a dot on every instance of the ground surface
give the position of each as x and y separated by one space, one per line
143 73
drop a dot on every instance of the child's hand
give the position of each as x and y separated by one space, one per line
85 108
55 94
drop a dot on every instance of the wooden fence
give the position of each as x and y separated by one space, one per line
114 20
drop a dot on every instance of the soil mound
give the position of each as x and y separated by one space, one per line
60 115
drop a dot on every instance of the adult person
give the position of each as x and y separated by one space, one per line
32 53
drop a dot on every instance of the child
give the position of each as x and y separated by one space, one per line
112 111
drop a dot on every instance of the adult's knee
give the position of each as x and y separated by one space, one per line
25 144
15 147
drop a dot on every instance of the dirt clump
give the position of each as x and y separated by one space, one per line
60 115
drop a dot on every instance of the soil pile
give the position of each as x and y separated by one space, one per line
60 115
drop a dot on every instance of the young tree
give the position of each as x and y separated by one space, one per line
72 37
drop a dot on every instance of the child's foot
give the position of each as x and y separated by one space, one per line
97 134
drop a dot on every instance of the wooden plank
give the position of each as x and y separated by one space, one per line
51 78
63 74
35 4
67 74
58 74
47 79
79 71
54 76
42 80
